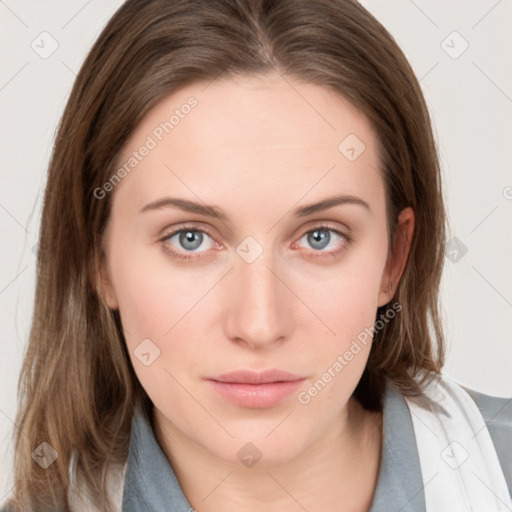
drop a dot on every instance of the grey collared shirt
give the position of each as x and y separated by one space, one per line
150 484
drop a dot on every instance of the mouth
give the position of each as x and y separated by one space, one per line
256 389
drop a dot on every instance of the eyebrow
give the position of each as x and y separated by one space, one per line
217 213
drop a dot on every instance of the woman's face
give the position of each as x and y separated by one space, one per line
248 274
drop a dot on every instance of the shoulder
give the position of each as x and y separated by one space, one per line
497 414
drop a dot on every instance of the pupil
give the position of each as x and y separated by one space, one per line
191 239
320 238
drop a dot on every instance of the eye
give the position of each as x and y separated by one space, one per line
187 239
327 241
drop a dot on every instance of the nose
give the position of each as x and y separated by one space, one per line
260 306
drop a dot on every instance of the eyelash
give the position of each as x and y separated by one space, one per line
319 227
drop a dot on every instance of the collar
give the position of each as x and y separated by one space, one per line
151 485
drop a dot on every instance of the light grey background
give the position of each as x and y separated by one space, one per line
470 98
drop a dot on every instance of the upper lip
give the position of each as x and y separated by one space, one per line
251 377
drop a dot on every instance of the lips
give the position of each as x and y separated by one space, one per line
256 389
250 377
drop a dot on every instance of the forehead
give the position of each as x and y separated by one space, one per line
253 137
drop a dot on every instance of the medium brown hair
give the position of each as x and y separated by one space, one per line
77 388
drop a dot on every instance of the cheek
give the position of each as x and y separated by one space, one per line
166 305
153 296
156 306
347 300
144 304
347 304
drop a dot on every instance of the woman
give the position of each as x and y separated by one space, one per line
237 301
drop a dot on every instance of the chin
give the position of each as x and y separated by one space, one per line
257 448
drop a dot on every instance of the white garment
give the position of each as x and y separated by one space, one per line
79 498
459 465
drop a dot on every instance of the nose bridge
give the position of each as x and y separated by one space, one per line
258 300
259 281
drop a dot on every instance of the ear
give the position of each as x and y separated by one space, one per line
397 257
104 285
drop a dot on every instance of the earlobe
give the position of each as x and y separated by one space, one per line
397 258
105 287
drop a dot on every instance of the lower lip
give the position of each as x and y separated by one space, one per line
256 395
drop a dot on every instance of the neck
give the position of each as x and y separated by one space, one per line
323 475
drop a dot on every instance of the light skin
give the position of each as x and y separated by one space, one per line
258 149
